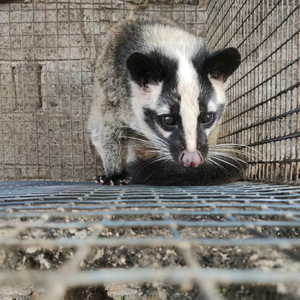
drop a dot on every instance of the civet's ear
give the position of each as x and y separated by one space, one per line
223 63
144 70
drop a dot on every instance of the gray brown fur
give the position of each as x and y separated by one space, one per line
113 121
111 113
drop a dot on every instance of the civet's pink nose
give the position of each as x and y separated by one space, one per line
188 159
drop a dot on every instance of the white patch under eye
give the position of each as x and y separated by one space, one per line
209 130
164 133
188 88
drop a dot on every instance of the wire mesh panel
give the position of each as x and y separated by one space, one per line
222 242
263 111
84 241
47 54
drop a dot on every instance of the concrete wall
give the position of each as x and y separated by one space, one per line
47 53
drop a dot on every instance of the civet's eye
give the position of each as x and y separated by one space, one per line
207 118
169 121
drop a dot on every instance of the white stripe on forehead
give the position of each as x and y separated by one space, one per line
172 41
178 44
188 89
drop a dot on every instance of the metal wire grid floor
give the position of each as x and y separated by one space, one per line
253 214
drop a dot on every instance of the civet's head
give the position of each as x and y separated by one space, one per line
179 101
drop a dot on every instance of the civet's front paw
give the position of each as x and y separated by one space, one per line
120 179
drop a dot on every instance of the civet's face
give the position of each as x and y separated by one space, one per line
180 101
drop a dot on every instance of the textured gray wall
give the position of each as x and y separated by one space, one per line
47 53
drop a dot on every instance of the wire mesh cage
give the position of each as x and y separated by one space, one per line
264 96
47 54
66 240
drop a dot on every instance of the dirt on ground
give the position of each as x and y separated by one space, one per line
237 257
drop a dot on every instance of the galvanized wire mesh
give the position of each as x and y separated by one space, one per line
160 233
264 94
